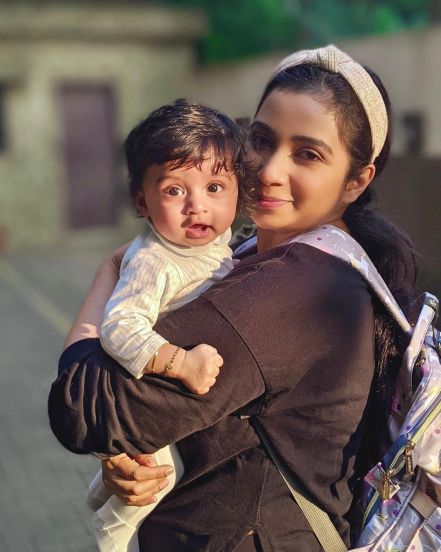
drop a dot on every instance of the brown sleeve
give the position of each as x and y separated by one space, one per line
95 407
286 323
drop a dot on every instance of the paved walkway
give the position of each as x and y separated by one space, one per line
42 485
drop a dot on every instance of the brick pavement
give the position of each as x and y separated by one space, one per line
43 486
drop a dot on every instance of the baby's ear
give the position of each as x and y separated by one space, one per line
140 204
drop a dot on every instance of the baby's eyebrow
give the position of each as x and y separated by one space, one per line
262 126
161 179
226 175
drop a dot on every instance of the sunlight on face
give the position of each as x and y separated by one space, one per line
303 166
189 206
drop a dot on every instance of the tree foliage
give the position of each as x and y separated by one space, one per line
240 28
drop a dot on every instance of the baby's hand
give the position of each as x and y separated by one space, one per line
200 368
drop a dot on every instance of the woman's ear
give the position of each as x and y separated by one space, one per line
355 187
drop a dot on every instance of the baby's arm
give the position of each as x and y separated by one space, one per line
147 281
197 368
126 331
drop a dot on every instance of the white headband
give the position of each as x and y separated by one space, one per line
334 60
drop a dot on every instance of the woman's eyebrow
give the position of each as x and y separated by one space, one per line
312 141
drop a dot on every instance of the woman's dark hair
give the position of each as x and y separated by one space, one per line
186 134
387 245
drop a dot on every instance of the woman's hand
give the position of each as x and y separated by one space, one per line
88 321
135 482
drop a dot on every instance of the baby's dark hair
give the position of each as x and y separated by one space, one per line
186 134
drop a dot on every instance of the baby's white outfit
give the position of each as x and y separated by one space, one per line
156 277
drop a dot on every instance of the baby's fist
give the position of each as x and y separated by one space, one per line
200 368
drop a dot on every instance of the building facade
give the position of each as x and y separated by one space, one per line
73 81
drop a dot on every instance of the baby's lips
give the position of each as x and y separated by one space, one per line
198 225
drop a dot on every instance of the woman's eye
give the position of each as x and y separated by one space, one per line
173 191
308 155
215 187
259 142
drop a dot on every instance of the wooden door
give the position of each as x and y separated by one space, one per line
88 149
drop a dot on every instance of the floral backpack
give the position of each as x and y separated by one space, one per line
402 493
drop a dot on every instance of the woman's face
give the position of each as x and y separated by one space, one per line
302 179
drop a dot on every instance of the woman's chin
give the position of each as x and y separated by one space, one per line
271 222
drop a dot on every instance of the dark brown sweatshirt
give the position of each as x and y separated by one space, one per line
295 329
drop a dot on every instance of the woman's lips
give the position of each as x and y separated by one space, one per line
267 202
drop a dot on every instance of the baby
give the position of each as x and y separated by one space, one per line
186 165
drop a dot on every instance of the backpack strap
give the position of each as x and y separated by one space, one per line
426 318
340 244
322 526
336 242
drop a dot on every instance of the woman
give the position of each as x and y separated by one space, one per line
299 332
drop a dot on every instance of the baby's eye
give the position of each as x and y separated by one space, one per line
215 187
259 142
173 191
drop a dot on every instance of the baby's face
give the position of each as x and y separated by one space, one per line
188 205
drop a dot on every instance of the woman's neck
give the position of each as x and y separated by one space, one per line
266 239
